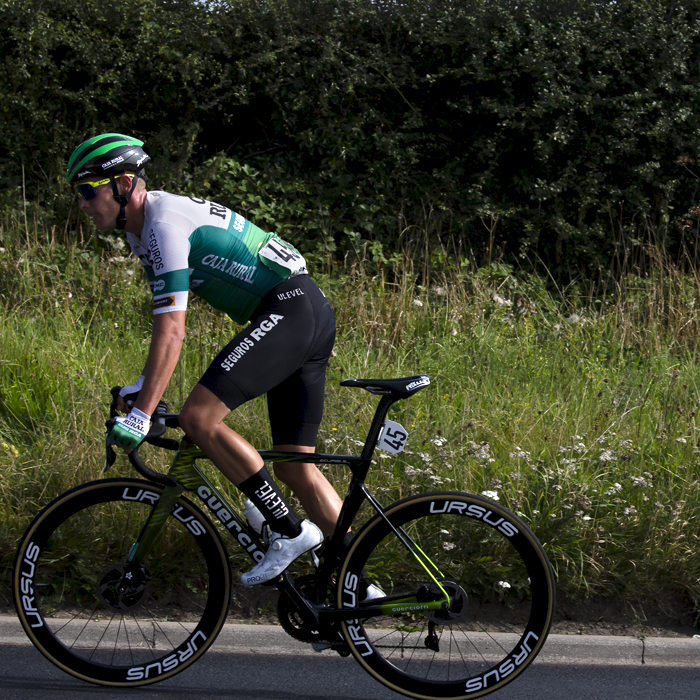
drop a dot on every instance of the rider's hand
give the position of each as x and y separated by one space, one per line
130 431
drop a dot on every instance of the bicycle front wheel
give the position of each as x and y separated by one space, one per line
469 550
106 621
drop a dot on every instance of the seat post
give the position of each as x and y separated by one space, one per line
376 425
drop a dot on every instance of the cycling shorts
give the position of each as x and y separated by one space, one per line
283 353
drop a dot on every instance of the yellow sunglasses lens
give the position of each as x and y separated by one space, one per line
88 189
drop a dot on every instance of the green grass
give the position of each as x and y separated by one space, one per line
579 414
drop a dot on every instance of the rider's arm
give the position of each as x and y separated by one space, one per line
166 343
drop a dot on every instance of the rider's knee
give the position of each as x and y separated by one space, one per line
190 422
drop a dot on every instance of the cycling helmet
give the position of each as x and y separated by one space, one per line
111 155
107 154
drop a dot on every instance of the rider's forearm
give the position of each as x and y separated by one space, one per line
164 352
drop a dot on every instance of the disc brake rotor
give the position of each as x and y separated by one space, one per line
120 587
459 602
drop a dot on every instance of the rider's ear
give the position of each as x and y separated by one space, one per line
124 182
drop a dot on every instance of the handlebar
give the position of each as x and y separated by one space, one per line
160 420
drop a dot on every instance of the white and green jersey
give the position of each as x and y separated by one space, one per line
192 244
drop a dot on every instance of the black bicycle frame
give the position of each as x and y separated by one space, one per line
185 475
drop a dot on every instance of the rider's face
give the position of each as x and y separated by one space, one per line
102 208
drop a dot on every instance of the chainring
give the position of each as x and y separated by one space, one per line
296 626
291 618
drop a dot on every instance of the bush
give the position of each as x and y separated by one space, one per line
557 134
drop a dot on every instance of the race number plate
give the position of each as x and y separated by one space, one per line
275 251
393 437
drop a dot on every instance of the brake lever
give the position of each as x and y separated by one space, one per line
156 431
110 453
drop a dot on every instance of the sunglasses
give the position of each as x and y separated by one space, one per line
87 189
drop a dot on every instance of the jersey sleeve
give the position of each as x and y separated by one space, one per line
168 248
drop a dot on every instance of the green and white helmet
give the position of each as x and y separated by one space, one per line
106 155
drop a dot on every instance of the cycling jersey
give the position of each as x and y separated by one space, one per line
193 244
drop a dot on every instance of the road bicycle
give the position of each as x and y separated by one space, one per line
126 582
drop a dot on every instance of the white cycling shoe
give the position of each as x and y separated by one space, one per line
372 593
257 521
282 552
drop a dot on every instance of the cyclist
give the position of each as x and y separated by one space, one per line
189 244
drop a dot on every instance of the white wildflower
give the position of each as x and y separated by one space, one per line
607 456
500 301
484 452
493 495
613 489
504 584
417 302
448 546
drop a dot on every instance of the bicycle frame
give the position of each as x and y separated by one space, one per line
184 474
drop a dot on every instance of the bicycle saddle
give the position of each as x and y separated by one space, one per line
398 388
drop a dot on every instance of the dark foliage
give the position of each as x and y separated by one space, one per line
561 133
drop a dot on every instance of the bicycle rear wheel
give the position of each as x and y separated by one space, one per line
500 586
107 622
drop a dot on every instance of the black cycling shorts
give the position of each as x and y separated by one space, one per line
283 353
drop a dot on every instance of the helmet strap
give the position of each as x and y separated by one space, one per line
123 199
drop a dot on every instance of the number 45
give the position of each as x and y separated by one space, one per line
393 437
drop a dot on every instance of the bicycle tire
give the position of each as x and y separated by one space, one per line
501 588
66 572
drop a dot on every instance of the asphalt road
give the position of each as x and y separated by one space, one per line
251 662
